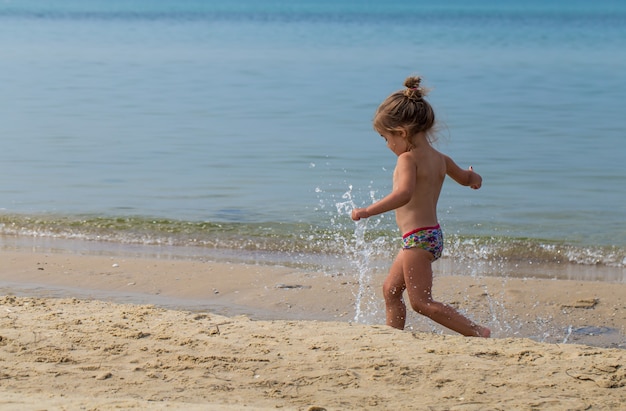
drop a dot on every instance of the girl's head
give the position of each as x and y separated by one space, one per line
406 111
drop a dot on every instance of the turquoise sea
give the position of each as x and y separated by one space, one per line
242 130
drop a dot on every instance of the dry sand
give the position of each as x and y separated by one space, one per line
206 336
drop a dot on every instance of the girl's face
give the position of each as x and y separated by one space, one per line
396 142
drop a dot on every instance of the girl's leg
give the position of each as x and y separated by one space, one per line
418 277
393 288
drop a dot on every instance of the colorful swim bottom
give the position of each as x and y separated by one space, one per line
426 238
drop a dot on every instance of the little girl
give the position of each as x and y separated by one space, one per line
405 120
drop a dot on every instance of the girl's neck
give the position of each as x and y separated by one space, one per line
418 141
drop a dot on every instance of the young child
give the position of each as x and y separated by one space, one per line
405 120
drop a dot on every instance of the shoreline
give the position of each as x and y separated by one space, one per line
471 266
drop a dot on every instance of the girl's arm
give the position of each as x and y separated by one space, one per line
464 177
403 186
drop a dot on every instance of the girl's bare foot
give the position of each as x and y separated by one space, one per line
484 332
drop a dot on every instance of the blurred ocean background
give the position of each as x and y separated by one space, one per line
242 128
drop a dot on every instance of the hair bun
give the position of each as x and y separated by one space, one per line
412 82
413 89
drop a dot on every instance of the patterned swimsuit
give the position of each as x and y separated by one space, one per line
426 238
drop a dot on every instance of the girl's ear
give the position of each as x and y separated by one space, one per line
401 132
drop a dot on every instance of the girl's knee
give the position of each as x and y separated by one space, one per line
426 307
392 292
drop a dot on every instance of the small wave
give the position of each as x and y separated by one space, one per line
535 250
297 238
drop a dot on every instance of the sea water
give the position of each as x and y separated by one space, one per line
238 126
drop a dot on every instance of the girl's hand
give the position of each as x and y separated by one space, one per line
476 181
359 213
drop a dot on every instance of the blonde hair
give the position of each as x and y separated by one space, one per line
406 110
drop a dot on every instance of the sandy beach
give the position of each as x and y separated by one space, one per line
107 332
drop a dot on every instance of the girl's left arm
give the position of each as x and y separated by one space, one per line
464 177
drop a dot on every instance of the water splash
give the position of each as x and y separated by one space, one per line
568 334
361 251
361 261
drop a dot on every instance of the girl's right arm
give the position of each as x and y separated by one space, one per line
403 187
464 177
